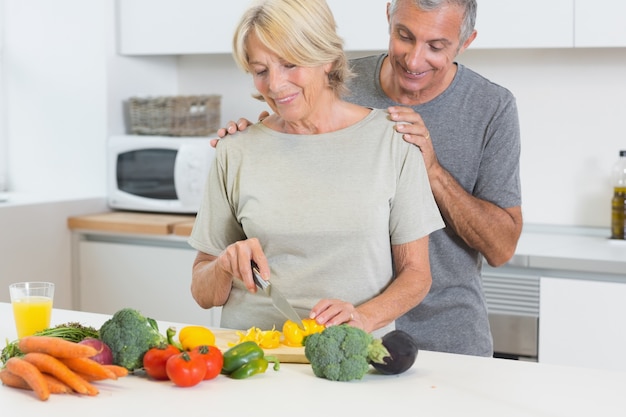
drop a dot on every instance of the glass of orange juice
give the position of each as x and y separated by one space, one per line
32 306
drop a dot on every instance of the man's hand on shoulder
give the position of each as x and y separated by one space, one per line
234 127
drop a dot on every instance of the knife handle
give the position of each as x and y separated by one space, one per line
256 275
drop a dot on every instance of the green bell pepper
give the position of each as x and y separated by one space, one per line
246 359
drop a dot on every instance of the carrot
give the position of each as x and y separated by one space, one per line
55 346
57 386
12 380
119 371
89 367
89 377
53 366
54 385
30 374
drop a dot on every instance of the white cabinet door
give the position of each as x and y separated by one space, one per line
582 323
183 27
362 24
525 24
154 280
600 23
177 27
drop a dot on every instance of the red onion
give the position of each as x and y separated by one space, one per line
104 355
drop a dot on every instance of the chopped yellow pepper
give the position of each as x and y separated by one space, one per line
191 337
266 339
294 335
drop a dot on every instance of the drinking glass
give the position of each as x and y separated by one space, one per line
32 306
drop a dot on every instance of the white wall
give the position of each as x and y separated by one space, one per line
63 95
55 84
571 105
572 110
65 87
35 243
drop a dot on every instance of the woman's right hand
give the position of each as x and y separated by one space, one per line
236 261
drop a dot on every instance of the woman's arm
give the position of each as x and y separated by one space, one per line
408 289
212 276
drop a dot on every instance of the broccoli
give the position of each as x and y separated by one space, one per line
130 335
343 352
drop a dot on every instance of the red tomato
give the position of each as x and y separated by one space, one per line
155 359
185 369
213 359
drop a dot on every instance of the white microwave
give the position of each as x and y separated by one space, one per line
157 173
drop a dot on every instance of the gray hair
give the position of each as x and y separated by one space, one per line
469 16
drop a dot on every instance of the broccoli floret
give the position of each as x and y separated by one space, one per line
342 353
130 335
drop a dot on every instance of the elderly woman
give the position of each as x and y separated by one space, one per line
323 195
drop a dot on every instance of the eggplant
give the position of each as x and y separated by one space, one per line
402 349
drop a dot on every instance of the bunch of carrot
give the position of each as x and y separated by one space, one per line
51 365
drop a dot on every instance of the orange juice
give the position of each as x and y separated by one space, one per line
32 314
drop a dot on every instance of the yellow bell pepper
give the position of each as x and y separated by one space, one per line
294 335
191 337
266 339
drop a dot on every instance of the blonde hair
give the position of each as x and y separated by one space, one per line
302 32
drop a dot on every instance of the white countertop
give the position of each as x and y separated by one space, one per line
570 248
439 384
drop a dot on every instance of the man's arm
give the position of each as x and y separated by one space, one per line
492 230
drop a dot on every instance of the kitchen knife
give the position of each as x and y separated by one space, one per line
279 301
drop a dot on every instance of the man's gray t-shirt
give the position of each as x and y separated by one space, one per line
474 128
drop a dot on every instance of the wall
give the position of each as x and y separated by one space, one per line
35 243
571 105
65 87
571 110
63 92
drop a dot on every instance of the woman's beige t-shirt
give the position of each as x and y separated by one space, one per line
326 209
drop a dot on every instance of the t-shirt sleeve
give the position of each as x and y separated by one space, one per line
414 212
216 225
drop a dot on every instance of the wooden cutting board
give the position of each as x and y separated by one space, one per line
285 354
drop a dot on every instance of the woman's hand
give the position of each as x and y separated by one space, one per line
330 312
236 259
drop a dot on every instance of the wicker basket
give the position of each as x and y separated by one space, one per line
175 115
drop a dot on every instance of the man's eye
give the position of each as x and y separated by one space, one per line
404 35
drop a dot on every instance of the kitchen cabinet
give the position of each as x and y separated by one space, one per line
139 260
572 281
600 23
527 24
182 27
582 323
154 279
177 27
168 27
362 24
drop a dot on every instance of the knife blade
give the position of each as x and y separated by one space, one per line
279 301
